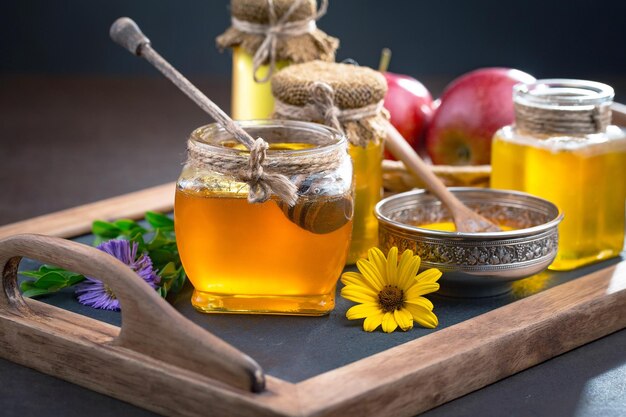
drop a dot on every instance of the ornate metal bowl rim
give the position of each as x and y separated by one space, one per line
509 234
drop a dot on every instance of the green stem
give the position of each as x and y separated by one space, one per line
385 58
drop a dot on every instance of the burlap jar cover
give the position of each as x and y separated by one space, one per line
276 30
344 96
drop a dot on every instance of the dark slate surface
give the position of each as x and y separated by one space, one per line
296 348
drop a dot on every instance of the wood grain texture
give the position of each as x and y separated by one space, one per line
81 350
452 362
76 221
152 330
405 380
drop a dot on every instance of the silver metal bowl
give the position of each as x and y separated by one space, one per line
474 264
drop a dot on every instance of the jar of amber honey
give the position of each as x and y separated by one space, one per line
267 36
266 257
349 98
563 148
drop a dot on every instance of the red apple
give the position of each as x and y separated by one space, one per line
409 104
473 107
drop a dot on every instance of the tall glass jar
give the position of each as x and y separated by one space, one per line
250 99
267 36
265 257
564 149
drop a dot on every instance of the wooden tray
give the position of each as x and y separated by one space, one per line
400 374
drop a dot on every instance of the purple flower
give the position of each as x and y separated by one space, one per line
96 294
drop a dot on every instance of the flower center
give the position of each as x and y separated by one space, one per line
391 298
109 292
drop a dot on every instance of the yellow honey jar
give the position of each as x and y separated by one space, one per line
349 98
265 257
267 36
563 148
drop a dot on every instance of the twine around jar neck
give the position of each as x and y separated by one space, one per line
572 120
322 107
273 30
264 171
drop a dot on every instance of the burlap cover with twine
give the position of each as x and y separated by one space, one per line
275 30
344 96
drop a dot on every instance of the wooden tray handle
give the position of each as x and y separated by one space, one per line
150 325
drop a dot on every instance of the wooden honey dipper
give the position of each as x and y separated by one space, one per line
317 216
465 219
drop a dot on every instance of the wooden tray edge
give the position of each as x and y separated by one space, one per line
388 382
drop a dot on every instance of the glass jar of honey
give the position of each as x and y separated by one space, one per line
265 257
563 148
267 36
250 99
349 98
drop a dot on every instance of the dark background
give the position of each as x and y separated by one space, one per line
549 38
82 120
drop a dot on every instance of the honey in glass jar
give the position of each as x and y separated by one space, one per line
265 257
265 37
563 148
350 98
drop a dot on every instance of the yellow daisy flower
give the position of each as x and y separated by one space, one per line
389 292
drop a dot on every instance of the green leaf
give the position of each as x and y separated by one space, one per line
178 284
162 291
137 237
161 257
159 221
128 225
27 285
34 292
105 229
44 269
158 240
75 279
51 280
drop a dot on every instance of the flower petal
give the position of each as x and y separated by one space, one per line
389 323
422 316
352 294
420 301
355 278
364 289
407 270
392 266
371 273
404 319
378 259
372 322
420 289
361 311
429 276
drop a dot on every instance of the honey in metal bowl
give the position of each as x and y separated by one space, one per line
474 264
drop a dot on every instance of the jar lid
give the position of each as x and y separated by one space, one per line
563 106
278 30
354 86
257 11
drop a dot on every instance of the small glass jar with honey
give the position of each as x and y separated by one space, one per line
266 36
266 257
349 98
563 148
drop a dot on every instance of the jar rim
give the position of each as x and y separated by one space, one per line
561 92
336 138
